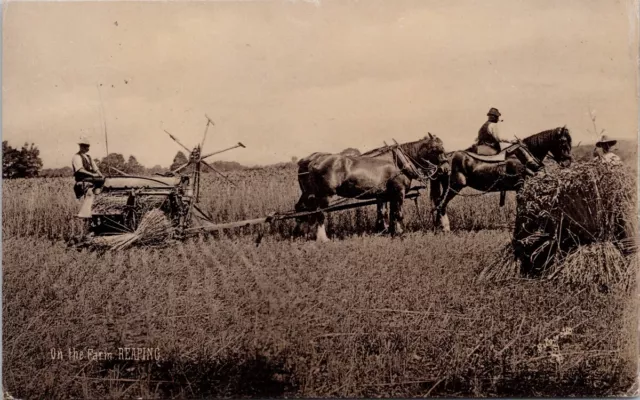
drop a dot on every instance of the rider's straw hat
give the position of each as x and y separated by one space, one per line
494 111
605 140
84 140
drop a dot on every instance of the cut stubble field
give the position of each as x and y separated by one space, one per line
365 316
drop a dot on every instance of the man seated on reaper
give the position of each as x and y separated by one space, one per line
85 170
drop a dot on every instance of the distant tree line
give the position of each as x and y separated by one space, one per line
26 163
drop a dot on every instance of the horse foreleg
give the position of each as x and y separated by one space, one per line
442 219
397 216
321 233
299 207
382 220
307 202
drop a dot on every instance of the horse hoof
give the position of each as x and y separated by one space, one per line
399 233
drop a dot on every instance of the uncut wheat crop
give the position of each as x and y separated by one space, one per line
46 207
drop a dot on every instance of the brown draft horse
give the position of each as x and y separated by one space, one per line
384 174
501 173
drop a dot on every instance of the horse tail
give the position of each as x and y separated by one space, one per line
306 181
306 187
303 171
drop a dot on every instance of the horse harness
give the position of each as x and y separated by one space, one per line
505 175
432 168
409 165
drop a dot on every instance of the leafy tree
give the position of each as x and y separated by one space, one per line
23 163
31 163
9 158
133 167
223 166
63 172
178 160
156 169
114 160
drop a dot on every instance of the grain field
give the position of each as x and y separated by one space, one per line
363 315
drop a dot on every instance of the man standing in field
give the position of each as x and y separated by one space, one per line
87 176
488 141
603 151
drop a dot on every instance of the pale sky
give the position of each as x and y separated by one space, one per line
288 78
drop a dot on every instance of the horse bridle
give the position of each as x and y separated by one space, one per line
556 132
431 167
520 144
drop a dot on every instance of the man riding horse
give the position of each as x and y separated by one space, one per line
488 140
487 168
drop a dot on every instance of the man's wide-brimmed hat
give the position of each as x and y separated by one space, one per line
84 140
606 140
494 111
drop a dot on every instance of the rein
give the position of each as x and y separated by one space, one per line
431 168
537 141
521 144
346 199
483 192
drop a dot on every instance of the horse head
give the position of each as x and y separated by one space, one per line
561 147
556 141
432 150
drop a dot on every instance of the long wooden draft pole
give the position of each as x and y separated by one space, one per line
256 221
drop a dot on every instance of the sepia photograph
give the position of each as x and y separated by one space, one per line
320 199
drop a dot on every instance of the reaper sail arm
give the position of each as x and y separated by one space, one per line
177 141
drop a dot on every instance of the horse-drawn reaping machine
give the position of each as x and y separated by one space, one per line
121 202
119 207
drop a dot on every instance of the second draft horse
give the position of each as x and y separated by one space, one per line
384 174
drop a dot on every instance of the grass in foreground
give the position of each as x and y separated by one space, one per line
369 316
